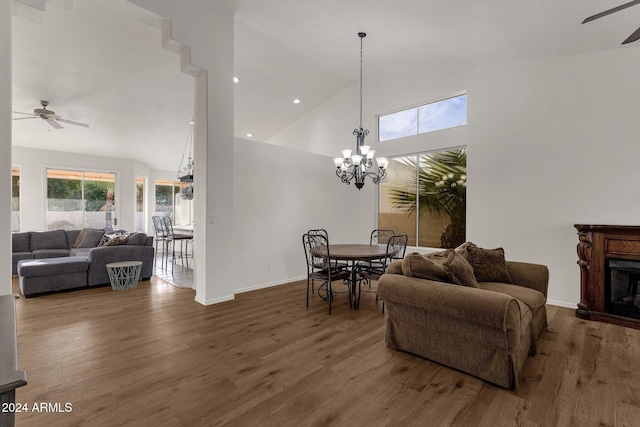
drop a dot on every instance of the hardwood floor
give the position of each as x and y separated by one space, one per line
152 356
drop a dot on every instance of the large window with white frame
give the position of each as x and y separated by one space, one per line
169 203
430 117
424 196
80 199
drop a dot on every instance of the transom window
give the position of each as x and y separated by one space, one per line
443 114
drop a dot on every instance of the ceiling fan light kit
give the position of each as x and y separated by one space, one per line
634 36
49 116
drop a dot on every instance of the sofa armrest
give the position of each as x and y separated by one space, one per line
534 276
473 305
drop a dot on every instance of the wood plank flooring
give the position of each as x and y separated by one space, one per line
152 356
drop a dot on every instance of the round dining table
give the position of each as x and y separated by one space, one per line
352 253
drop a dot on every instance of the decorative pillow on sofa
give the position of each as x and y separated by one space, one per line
458 270
463 250
90 239
114 239
489 265
394 267
138 239
426 266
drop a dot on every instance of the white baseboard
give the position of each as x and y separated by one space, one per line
270 284
214 300
562 304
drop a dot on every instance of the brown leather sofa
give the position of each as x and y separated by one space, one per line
486 331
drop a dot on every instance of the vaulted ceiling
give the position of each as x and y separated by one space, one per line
100 67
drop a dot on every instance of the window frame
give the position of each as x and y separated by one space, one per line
116 190
417 108
416 220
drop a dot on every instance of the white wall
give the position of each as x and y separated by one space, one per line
281 193
551 143
5 146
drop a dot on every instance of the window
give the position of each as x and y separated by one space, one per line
169 203
78 199
15 198
444 114
424 196
139 218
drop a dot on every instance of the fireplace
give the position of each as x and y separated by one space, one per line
621 287
609 260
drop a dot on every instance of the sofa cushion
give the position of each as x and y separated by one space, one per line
50 253
138 239
532 298
426 266
489 265
72 236
55 239
91 238
52 266
458 270
17 256
21 242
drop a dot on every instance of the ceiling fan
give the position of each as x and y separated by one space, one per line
633 37
48 116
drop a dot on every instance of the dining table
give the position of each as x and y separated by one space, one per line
353 253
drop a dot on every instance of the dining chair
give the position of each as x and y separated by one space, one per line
173 237
380 236
323 232
320 267
396 248
160 237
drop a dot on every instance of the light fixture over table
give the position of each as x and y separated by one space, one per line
185 170
359 165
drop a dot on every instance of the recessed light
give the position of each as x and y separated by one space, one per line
249 135
296 101
236 80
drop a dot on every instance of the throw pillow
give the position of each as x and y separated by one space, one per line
463 250
426 266
91 238
138 239
394 267
489 265
114 239
80 237
459 271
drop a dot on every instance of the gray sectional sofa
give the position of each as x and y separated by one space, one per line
54 260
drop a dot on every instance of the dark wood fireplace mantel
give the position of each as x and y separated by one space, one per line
597 244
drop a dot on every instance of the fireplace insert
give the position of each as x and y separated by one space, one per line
621 287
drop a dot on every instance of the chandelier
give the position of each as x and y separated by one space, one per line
359 165
185 173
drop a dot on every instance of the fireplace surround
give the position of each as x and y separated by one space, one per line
609 260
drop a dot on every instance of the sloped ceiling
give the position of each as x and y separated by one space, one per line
106 69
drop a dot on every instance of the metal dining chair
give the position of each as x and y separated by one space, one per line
320 267
173 237
323 232
380 236
160 237
396 249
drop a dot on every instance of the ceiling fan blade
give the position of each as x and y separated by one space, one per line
54 124
610 11
26 114
633 37
24 118
71 122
